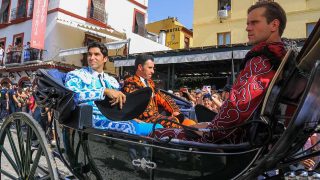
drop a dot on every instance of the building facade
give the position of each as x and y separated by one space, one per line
71 25
221 22
176 35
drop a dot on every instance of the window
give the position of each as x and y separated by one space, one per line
18 39
186 42
224 38
21 10
3 42
89 39
173 37
96 10
224 5
310 27
139 23
4 11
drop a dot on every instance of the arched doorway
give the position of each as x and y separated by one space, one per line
5 81
24 82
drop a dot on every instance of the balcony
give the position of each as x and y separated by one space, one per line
97 14
19 12
26 56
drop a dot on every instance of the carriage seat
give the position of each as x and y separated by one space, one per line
61 99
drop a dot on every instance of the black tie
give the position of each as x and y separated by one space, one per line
146 81
100 79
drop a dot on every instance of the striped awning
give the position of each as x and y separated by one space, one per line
91 29
80 50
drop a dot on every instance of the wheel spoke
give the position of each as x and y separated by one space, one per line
43 170
6 154
28 149
45 177
21 145
35 163
7 174
14 149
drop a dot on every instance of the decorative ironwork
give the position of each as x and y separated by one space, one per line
143 163
97 14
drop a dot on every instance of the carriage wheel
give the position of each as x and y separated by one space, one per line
24 150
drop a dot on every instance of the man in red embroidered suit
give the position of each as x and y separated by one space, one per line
144 66
266 22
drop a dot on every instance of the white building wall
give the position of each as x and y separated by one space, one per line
79 7
138 44
53 4
10 31
143 2
50 44
121 14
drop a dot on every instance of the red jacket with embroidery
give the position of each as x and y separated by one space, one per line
248 91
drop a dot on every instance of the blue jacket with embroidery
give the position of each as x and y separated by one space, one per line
88 89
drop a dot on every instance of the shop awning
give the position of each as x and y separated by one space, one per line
214 56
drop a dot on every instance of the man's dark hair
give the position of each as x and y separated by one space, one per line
273 11
101 46
141 59
207 96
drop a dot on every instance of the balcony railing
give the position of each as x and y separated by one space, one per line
97 14
25 56
19 12
13 56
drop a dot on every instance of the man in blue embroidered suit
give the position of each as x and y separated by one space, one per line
91 84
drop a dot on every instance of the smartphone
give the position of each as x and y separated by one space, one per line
206 89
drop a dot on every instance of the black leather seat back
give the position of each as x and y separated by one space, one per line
52 93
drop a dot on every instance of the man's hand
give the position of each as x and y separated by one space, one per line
308 164
202 125
175 113
115 96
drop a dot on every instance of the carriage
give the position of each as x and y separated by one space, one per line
273 140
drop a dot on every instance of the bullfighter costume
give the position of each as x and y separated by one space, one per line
89 86
247 93
151 114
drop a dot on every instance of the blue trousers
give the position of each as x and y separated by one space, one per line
131 126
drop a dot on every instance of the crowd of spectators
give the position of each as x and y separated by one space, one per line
14 54
21 99
208 96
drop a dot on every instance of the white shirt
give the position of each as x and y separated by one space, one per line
143 81
96 74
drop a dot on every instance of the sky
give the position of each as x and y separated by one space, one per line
161 9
